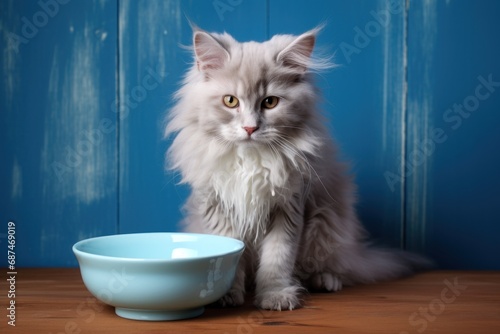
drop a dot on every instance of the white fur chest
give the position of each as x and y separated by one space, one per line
248 182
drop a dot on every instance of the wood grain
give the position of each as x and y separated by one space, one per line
56 301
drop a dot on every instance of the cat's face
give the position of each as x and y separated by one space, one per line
253 93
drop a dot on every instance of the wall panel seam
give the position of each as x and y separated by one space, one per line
404 127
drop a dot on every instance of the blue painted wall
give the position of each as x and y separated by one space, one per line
414 105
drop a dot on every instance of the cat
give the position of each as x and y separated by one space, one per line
251 143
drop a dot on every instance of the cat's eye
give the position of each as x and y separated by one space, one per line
230 101
270 102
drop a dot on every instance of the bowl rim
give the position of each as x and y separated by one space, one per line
78 252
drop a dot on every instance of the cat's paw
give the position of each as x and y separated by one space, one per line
233 298
325 281
282 299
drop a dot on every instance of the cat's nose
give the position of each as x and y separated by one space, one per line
250 129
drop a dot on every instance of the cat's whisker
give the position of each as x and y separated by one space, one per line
287 143
276 153
291 152
290 127
276 131
226 144
298 127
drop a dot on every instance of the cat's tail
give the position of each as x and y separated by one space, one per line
379 264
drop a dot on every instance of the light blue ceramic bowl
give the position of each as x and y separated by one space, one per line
158 276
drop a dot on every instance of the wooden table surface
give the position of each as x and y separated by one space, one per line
56 301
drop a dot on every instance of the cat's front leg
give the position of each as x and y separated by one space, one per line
236 295
216 222
276 288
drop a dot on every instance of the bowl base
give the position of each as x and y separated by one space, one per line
158 315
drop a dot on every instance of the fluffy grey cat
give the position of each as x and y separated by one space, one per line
250 142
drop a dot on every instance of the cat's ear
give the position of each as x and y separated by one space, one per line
210 54
297 55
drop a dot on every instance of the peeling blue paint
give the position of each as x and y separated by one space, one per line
82 148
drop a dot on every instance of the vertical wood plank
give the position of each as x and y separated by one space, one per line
453 184
58 167
148 35
364 96
421 37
